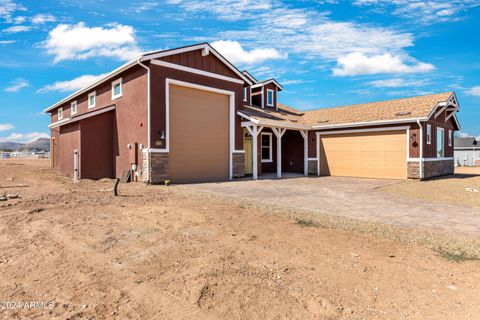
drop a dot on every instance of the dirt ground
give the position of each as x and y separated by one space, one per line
449 189
159 253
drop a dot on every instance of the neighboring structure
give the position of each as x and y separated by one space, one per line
188 115
467 151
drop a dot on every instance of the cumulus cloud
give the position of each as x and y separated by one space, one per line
43 18
357 63
17 85
235 53
24 137
80 42
6 126
474 91
425 12
17 29
71 85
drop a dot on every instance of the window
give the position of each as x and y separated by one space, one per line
92 99
73 107
449 138
60 113
117 88
429 134
269 97
440 143
245 95
266 147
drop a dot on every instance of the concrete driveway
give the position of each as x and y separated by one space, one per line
354 198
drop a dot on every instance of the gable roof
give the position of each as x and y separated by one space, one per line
264 82
466 142
149 56
252 78
383 112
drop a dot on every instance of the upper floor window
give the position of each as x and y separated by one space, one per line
449 138
245 93
117 88
73 107
60 113
92 99
270 97
266 147
440 143
429 134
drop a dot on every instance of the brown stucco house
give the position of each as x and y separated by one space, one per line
189 115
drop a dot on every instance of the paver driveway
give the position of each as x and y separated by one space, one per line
354 198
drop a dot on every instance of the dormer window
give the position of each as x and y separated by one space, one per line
270 97
245 94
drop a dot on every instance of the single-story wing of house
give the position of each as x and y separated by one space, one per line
467 151
189 115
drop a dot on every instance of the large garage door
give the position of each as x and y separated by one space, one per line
199 135
371 155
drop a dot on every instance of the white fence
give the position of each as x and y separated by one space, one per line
24 155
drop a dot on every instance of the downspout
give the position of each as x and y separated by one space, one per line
420 163
148 117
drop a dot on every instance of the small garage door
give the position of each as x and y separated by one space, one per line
199 135
370 155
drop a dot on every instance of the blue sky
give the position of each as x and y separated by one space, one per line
325 53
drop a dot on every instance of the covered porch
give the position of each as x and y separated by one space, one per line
275 150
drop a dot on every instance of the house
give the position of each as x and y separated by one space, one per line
189 115
467 151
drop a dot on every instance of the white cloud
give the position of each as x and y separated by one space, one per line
395 83
42 18
425 12
235 53
357 63
5 42
17 29
7 8
24 137
17 85
474 91
6 126
79 42
19 19
71 85
140 7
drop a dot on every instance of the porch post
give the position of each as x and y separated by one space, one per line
279 134
254 131
304 134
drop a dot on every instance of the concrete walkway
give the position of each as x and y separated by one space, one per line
354 198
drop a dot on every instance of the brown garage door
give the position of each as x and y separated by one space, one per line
199 135
371 155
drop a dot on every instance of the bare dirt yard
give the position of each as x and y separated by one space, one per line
164 253
461 188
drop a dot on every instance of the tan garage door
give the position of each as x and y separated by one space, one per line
199 135
371 155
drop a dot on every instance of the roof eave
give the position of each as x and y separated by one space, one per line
368 123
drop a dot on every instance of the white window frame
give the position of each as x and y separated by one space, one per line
114 83
94 94
449 138
273 97
245 94
270 147
73 106
60 113
442 141
429 134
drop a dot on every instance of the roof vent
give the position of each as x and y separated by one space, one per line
405 113
322 121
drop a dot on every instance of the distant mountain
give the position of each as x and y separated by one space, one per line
42 144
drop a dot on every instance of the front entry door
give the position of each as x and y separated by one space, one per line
248 155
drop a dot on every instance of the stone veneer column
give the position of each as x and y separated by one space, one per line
438 168
238 164
312 167
413 170
158 170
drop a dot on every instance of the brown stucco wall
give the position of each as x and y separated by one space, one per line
69 140
292 151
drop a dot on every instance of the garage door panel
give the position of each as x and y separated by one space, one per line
373 155
199 135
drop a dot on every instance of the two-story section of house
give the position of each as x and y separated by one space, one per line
189 115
